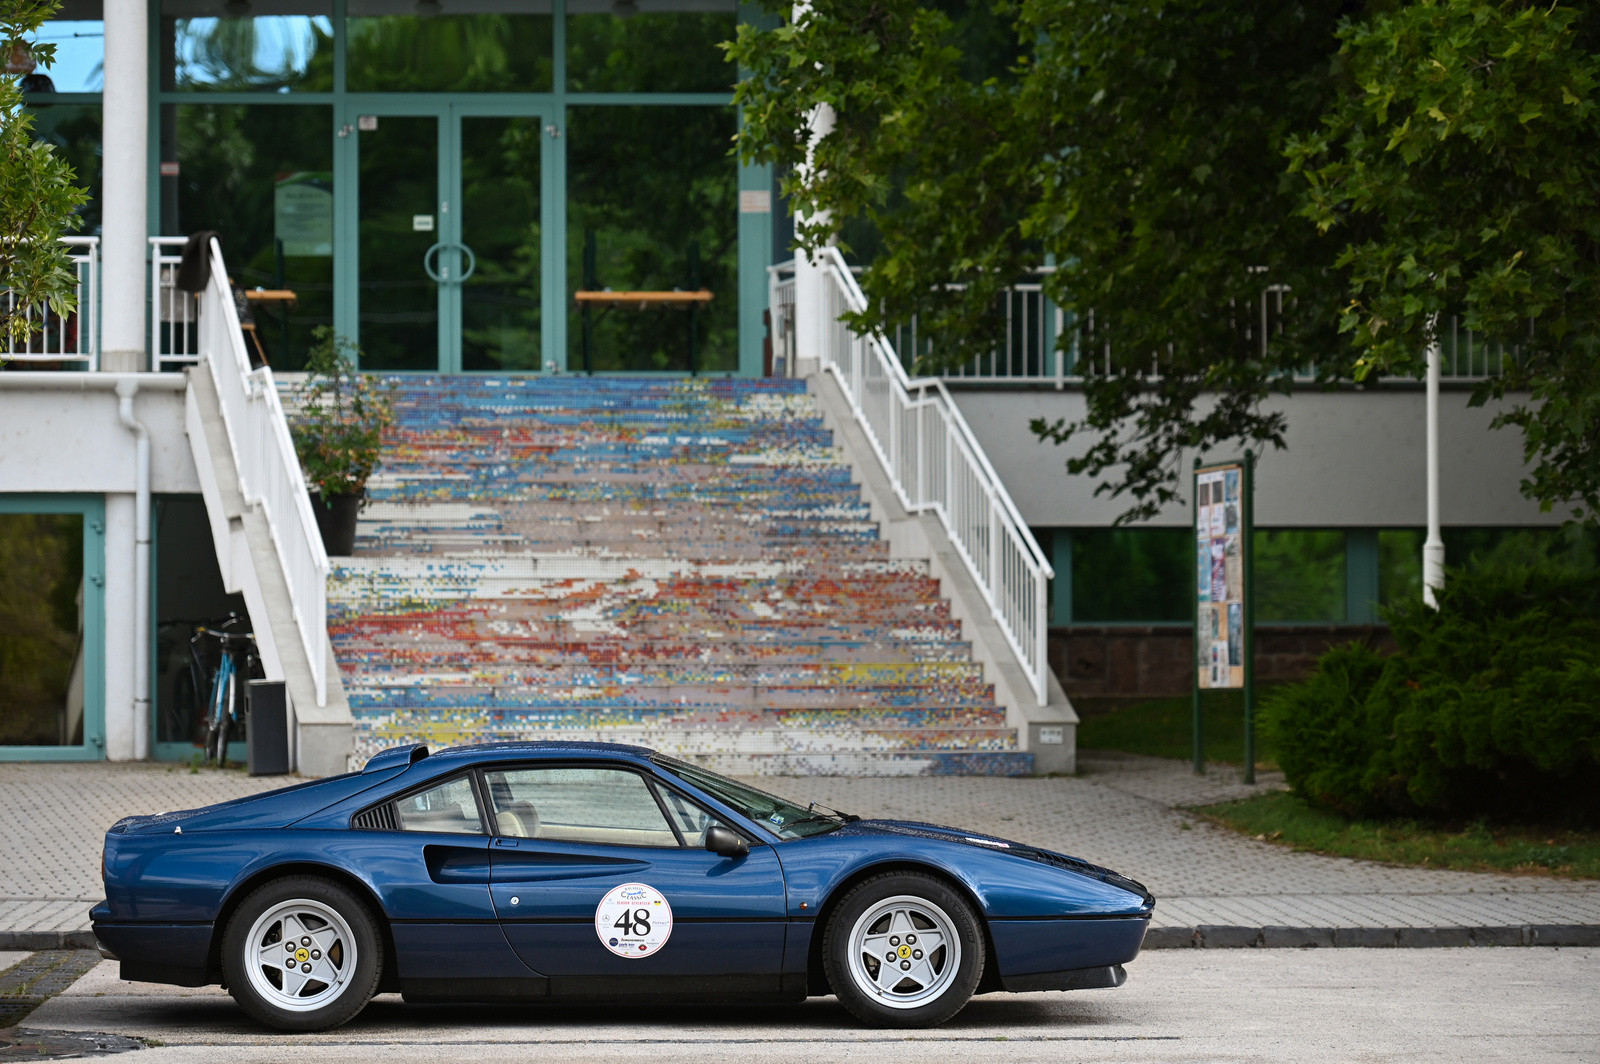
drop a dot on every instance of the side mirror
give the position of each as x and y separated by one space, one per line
725 842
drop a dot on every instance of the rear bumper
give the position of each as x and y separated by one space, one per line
159 953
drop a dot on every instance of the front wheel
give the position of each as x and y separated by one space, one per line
302 954
903 950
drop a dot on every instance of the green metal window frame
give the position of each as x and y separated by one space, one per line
754 230
93 510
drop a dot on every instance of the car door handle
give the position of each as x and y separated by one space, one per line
506 844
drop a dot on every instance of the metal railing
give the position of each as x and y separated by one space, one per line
1030 324
73 337
174 313
269 470
936 465
780 310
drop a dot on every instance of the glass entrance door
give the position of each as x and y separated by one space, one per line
453 227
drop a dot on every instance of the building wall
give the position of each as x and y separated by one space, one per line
1354 460
74 442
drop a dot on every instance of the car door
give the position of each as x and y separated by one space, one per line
430 864
602 883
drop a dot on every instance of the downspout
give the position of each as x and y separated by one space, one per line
127 388
1433 547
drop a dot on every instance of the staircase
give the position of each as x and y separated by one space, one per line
683 564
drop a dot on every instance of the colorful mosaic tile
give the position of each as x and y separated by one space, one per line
680 563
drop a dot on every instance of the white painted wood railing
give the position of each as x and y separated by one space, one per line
937 466
269 470
73 337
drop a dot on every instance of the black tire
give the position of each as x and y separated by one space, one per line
913 909
308 910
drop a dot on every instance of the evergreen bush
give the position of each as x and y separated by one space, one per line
1490 708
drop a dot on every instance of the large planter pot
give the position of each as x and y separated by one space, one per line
336 520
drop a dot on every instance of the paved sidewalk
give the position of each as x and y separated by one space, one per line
1214 887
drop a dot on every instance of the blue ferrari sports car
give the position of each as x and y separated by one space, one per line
512 872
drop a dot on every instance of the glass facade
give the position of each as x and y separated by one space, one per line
432 178
42 662
653 206
206 49
392 49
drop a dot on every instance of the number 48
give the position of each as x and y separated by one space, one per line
635 922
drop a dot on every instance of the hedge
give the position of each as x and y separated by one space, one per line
1490 708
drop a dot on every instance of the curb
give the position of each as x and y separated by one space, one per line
1213 936
33 941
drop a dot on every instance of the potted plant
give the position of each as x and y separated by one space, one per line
338 435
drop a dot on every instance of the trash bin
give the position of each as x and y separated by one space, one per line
268 737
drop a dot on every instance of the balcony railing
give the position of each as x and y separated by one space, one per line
174 313
66 338
1029 325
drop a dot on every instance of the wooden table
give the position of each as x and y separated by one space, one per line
644 300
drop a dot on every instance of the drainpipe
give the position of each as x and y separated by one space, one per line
127 388
1433 548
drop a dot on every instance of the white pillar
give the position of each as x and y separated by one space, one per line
1433 548
121 723
124 233
810 294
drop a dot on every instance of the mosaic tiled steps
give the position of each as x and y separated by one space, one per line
683 564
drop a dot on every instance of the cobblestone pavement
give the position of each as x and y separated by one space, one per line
1317 1006
53 818
1124 812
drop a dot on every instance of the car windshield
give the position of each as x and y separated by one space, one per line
785 819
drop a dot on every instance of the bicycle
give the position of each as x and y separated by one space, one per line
185 713
229 702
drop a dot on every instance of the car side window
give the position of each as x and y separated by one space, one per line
595 805
691 820
450 807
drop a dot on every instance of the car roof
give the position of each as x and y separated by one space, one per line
542 748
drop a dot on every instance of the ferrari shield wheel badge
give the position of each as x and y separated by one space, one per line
634 920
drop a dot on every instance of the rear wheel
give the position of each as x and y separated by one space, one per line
302 954
903 950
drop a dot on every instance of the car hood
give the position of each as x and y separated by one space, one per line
995 844
271 809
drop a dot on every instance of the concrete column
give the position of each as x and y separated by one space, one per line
124 234
810 295
121 727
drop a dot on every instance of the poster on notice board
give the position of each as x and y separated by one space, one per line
1219 551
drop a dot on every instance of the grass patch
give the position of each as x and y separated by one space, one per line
1163 727
1282 818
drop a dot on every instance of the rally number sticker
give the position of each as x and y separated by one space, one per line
634 920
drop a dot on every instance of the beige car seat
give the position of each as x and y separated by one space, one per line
519 819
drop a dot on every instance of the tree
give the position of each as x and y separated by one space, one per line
1136 142
1168 155
1469 147
37 196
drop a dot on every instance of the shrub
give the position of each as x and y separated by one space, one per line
1490 708
338 430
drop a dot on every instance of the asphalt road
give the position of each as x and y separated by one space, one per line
1348 1005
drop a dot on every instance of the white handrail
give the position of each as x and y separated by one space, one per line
936 465
269 471
73 337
